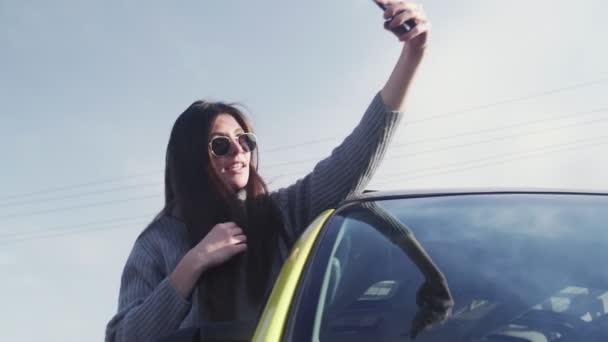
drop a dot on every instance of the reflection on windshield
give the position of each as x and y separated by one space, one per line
433 297
545 321
380 290
520 268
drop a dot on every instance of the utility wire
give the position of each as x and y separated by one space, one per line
470 133
306 143
513 100
506 137
279 148
69 233
499 128
91 205
399 156
444 148
406 177
490 160
534 153
79 195
80 231
74 186
64 227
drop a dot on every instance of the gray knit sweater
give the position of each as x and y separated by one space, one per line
148 305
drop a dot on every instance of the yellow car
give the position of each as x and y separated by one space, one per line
516 265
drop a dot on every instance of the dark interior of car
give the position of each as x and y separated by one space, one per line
510 292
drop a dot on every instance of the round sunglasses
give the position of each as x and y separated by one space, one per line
220 145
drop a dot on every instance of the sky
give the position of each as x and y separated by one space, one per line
510 94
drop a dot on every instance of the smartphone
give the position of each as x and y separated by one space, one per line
406 27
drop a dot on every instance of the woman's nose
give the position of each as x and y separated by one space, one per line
235 147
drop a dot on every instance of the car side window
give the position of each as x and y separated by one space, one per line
516 264
368 288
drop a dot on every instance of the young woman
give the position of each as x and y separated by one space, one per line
218 244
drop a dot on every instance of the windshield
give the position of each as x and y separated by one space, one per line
520 267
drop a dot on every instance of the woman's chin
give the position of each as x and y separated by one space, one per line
237 183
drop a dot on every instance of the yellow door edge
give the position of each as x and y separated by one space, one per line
271 324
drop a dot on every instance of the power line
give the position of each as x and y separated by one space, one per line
469 109
599 110
77 195
484 106
399 156
74 232
489 161
513 100
479 142
67 233
293 162
91 205
500 128
310 142
530 154
594 111
64 227
73 186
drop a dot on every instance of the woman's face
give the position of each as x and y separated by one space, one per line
233 168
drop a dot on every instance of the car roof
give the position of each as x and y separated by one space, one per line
369 195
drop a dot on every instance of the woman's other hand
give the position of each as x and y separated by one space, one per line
223 241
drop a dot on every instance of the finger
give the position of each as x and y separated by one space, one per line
419 29
392 11
227 225
240 248
401 18
237 239
411 23
398 7
236 230
401 30
383 3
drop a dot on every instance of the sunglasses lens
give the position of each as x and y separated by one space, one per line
247 142
220 146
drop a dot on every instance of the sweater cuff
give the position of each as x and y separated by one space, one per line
378 116
378 105
169 298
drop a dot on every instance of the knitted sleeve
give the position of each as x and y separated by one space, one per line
148 305
346 171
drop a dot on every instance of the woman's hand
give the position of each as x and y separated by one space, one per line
223 241
397 13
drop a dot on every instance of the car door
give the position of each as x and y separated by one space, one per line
274 318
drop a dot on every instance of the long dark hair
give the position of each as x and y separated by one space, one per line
193 187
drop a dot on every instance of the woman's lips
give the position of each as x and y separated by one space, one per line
235 168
